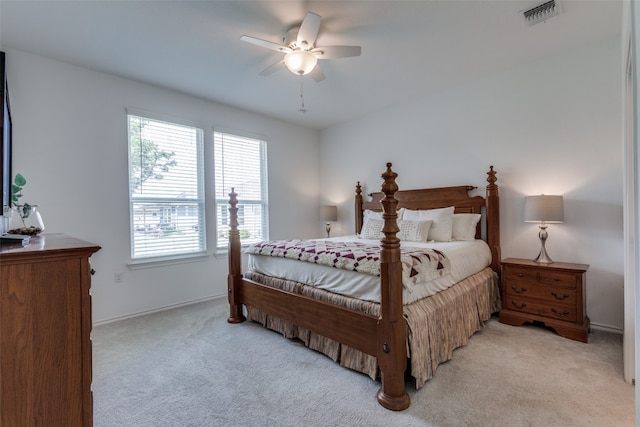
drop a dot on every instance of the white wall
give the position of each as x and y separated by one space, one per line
551 127
70 142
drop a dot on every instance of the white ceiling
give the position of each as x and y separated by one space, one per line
410 49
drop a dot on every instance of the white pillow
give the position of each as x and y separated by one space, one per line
368 213
414 231
464 226
410 231
372 228
442 227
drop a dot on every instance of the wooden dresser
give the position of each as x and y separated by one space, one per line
554 294
45 333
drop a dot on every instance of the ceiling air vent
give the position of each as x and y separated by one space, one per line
542 12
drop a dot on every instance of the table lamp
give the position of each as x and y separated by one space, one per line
543 209
329 213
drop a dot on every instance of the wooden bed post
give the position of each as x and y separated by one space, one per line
392 332
359 210
234 279
493 219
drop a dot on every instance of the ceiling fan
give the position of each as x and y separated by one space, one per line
301 56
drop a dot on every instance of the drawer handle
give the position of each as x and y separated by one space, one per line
522 305
564 296
522 290
520 275
563 314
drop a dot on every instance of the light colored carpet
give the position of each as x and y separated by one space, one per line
189 367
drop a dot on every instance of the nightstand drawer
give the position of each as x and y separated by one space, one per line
514 288
548 277
557 278
541 309
518 274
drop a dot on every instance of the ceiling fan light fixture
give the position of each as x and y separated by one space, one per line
300 62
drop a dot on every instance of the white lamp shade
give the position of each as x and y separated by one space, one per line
300 62
329 213
543 208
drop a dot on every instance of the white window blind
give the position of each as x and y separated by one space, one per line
240 163
166 190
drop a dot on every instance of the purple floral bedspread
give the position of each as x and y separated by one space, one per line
418 264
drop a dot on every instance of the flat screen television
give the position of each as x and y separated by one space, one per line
5 160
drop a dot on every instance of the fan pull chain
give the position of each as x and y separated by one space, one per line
302 109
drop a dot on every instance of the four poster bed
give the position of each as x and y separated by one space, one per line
377 334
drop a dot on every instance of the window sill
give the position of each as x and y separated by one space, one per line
169 260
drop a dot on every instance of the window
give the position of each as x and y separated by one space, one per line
166 191
240 163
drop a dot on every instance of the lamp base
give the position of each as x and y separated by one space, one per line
328 228
543 258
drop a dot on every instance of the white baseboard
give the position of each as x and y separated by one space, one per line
607 328
156 310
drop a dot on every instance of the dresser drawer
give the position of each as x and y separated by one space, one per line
541 308
556 294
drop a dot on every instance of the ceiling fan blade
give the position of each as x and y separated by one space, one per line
317 74
265 43
328 52
273 68
308 31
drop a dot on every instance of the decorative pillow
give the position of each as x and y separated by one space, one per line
410 231
464 226
442 226
414 231
372 228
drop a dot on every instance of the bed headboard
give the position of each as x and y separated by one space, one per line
433 198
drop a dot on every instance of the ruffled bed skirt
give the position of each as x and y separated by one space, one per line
436 325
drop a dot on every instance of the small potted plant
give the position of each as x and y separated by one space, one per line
25 218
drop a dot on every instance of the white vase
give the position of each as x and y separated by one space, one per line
26 221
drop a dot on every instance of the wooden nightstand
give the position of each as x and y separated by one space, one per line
554 294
